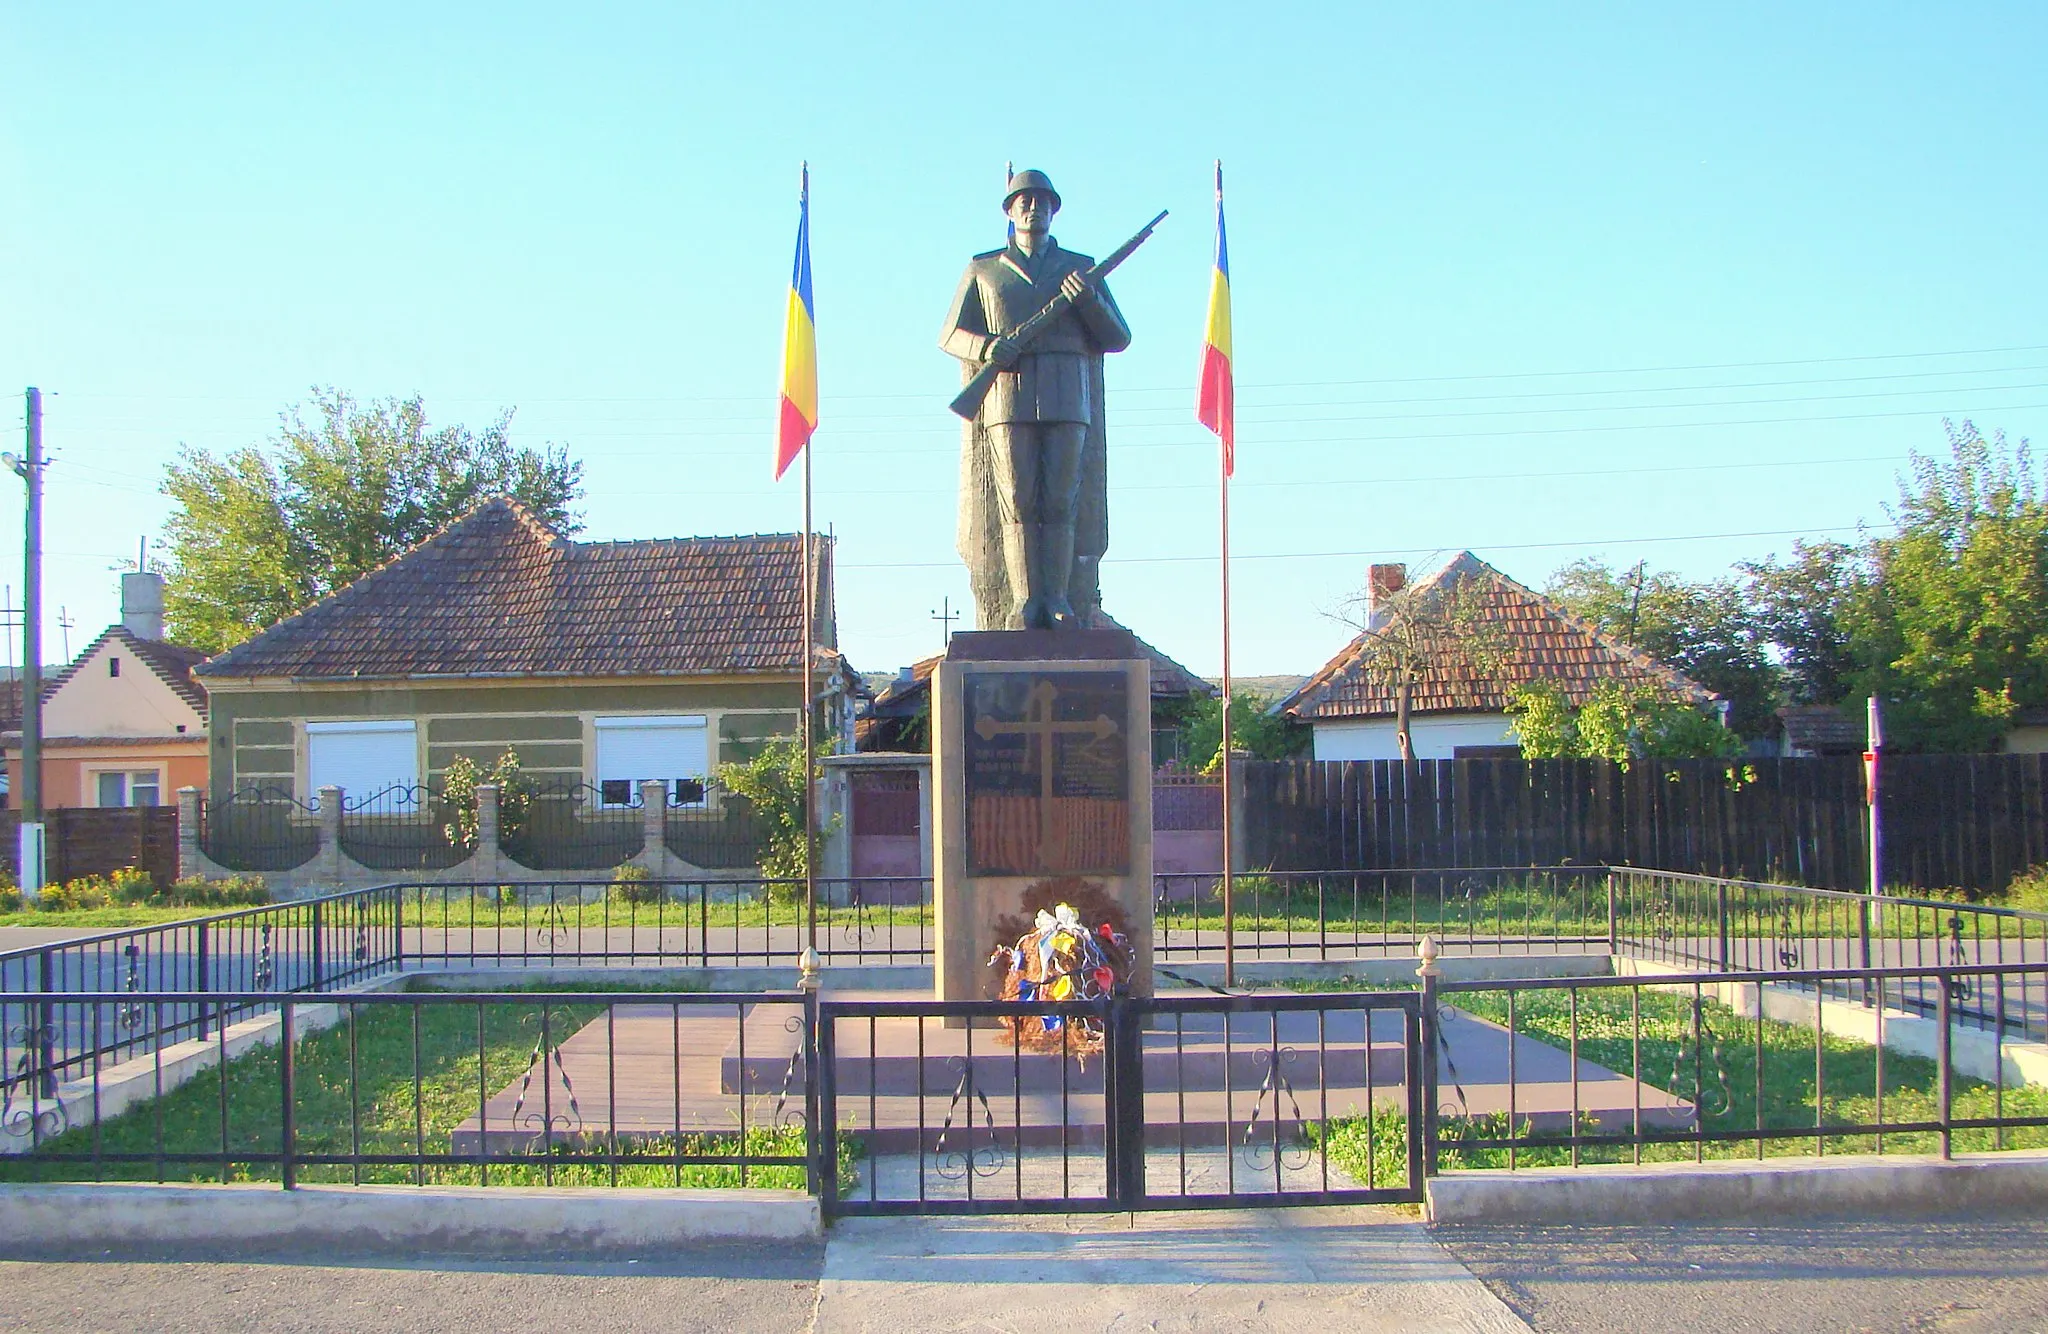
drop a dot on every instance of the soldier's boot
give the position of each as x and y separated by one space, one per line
1018 564
1059 569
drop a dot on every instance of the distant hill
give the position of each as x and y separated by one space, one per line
1267 688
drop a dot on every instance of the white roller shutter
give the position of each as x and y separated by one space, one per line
635 749
361 758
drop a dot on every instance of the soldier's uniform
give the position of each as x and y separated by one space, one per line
1050 383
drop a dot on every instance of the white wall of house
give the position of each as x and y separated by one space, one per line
1436 736
114 693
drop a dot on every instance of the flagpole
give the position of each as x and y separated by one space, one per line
810 760
1223 492
810 844
1229 889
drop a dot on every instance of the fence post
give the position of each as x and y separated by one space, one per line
486 851
188 832
1613 914
203 975
1427 950
1126 1077
654 826
288 1065
1726 932
1945 1085
820 1158
319 943
46 1021
327 858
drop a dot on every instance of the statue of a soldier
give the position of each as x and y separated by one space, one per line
1034 464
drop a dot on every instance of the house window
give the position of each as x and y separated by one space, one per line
113 666
362 758
675 749
127 787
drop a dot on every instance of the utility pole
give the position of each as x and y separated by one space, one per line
945 615
31 470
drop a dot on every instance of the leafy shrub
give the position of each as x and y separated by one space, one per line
2029 889
132 884
76 895
10 897
458 793
633 884
236 891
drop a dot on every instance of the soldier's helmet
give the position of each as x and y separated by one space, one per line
1030 180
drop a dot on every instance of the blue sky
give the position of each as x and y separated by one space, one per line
1508 277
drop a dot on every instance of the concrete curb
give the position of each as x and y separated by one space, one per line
1667 1192
399 1220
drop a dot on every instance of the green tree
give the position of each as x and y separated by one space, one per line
1706 630
1618 722
1953 630
773 782
1807 608
265 530
1253 728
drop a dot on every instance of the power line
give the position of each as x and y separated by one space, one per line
765 396
1354 555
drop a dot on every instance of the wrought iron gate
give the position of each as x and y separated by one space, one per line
936 1107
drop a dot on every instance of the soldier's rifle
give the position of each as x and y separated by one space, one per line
968 403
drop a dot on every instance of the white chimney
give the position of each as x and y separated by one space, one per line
142 605
1381 583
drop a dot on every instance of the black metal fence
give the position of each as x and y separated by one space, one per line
258 829
405 827
1691 1066
419 1088
886 1106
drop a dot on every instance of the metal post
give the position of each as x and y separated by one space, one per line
820 1158
1873 796
1229 886
1726 934
1945 1086
202 976
1428 972
804 732
319 946
1125 1074
46 1022
288 1081
31 470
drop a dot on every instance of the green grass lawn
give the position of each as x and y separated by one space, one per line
360 1089
1840 1086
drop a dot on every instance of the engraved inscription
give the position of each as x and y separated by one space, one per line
1047 773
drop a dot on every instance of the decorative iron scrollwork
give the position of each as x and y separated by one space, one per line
266 967
955 1158
1958 987
1698 1072
130 1013
1292 1147
362 950
24 1114
546 1121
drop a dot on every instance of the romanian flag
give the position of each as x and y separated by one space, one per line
1216 408
799 348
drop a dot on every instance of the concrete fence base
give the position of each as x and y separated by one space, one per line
1744 1190
399 1220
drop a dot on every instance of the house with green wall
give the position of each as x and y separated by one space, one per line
602 663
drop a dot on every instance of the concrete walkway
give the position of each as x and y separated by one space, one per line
1292 1270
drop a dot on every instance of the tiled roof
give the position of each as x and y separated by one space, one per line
1538 640
499 593
1822 729
174 663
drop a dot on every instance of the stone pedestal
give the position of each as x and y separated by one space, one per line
1042 764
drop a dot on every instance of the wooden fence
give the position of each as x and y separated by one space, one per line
83 841
1951 821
